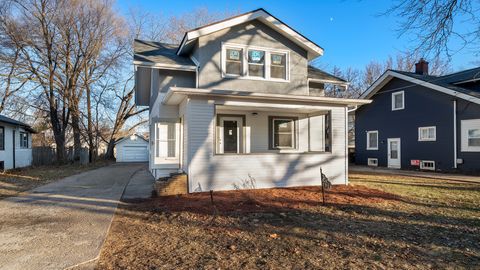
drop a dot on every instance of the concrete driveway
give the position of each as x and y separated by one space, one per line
62 224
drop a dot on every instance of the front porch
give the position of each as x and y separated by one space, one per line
228 142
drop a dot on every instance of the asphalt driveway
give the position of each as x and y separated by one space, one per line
62 224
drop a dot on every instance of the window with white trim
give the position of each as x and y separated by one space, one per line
470 132
398 101
234 61
372 162
282 135
166 138
427 134
256 63
278 67
23 140
372 140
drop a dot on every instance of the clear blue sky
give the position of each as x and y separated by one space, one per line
351 32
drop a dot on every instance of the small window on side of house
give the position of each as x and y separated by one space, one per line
23 140
470 135
372 140
427 134
166 140
398 101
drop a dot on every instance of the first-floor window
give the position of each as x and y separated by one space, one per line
372 140
2 138
470 132
166 140
23 140
427 134
282 132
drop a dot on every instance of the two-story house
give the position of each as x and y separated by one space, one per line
237 100
420 121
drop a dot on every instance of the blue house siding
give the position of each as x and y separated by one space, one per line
423 107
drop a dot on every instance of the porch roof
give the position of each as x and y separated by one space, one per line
175 95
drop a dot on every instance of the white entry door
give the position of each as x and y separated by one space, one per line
394 153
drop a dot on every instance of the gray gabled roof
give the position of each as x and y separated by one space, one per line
14 122
442 81
318 74
462 76
151 53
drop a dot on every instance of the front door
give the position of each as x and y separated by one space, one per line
230 134
394 154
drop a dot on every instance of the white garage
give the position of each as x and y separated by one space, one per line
133 148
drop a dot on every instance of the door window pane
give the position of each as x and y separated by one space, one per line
256 63
394 150
233 63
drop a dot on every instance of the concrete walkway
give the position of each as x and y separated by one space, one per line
140 186
432 175
62 224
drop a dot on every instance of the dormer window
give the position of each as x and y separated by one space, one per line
255 63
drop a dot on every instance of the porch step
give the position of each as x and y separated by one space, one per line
176 184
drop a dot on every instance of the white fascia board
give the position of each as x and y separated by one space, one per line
380 82
164 66
251 95
312 49
328 81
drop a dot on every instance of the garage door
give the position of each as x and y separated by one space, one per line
135 153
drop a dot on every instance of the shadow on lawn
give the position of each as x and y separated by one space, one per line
364 219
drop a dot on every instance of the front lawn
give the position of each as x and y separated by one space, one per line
379 221
14 182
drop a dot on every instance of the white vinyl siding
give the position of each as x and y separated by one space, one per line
470 135
427 134
398 101
372 140
208 171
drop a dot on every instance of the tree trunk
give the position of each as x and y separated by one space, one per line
110 148
77 144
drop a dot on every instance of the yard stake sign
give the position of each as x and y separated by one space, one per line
214 207
326 184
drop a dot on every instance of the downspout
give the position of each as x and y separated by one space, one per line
454 133
13 138
346 145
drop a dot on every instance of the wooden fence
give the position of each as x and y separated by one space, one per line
48 155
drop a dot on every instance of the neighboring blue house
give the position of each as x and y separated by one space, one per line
419 121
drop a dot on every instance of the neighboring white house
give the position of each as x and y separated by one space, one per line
133 148
15 144
237 100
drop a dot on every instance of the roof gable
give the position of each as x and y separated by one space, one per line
431 82
260 14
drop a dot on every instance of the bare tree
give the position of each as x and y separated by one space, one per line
436 23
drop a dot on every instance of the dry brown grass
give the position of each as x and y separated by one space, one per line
379 221
14 182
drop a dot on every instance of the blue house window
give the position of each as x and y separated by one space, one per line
398 101
372 140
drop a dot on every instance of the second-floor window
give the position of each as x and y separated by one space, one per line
255 62
398 101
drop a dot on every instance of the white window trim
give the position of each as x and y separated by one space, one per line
368 140
402 93
420 139
167 160
294 130
267 61
466 125
423 167
372 162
